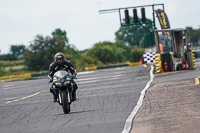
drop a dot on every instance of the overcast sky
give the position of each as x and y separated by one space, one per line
22 20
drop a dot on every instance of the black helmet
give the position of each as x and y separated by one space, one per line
59 57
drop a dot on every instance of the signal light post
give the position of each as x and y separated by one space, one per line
135 17
134 13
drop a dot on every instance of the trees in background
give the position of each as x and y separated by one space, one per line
72 54
41 52
132 35
136 54
7 57
106 52
16 52
62 34
193 35
2 71
118 52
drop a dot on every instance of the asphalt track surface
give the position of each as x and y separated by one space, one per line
105 100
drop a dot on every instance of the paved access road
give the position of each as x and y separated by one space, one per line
105 100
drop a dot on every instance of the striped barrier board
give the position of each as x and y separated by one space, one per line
90 68
111 66
134 64
29 75
16 76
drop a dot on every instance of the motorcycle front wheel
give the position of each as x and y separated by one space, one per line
65 104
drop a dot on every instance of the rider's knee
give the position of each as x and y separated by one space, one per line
75 86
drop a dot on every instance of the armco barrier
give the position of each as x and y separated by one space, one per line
16 76
111 66
134 64
90 68
36 74
40 74
30 75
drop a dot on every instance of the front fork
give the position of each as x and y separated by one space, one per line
69 96
59 98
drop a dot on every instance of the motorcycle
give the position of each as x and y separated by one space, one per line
63 87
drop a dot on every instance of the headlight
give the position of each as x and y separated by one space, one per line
66 83
58 84
54 79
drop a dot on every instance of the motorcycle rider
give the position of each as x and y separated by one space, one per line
61 64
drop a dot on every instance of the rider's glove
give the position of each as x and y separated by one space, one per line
74 74
50 78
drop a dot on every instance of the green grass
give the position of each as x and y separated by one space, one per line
11 63
15 68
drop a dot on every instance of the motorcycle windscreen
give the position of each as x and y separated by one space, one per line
60 74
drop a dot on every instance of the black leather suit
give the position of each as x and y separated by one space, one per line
65 65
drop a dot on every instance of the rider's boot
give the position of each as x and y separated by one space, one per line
74 96
74 93
54 96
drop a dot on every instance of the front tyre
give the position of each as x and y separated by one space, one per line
65 104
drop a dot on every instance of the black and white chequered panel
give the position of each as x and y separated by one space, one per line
149 57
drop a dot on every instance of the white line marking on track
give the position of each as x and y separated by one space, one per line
11 98
122 68
94 81
13 87
129 120
7 85
85 72
86 79
106 77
